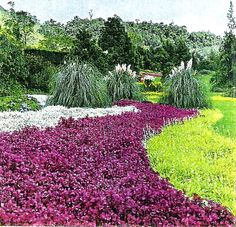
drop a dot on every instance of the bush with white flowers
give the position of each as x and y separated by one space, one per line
184 90
121 83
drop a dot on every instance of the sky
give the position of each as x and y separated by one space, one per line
197 15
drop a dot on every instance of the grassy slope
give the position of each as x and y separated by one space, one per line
196 159
209 169
227 125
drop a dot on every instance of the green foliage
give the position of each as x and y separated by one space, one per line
41 73
167 55
227 68
55 37
12 61
209 62
86 50
79 85
93 25
20 24
152 85
227 73
10 87
115 40
184 90
144 45
196 159
18 103
121 84
173 54
54 57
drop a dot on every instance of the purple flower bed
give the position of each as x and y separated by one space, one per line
95 172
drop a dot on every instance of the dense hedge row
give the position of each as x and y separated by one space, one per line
95 172
55 58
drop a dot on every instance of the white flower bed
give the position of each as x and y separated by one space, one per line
50 116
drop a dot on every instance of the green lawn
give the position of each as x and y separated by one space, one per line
196 159
199 156
227 125
153 96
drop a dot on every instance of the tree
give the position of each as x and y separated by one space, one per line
55 36
20 24
227 73
115 40
182 52
169 55
86 50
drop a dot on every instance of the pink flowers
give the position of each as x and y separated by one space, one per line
95 171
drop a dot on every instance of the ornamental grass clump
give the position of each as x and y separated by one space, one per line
121 84
80 85
184 90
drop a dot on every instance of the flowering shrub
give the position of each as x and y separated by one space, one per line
184 90
121 84
95 172
79 85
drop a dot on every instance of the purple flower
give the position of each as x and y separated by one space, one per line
95 171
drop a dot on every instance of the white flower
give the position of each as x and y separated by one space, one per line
181 68
118 68
134 74
190 63
123 67
50 116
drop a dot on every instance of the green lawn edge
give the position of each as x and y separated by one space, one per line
196 159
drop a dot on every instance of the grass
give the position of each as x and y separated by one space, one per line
196 159
183 89
200 155
80 85
227 125
153 97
